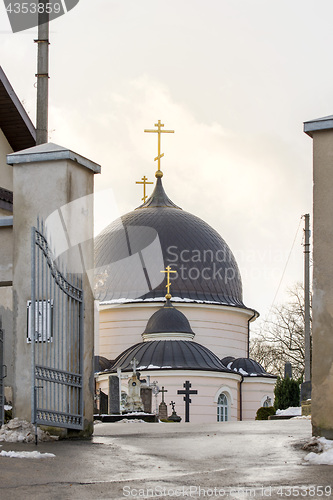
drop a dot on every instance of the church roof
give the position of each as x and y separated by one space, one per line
131 252
169 355
168 320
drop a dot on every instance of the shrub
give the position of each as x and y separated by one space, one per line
264 412
287 393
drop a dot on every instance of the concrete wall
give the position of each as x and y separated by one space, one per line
322 304
6 254
222 329
40 189
6 172
6 313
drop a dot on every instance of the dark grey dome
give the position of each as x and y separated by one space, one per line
168 320
131 252
227 360
248 367
169 355
101 363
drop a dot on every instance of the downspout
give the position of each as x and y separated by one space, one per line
241 399
255 315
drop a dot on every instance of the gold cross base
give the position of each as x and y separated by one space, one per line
158 174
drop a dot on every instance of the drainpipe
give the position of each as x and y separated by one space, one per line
255 315
241 399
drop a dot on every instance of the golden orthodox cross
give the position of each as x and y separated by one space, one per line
144 182
159 131
168 271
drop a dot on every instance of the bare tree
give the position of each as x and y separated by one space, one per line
281 338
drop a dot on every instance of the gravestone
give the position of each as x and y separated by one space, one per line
288 372
146 396
114 401
134 401
103 403
163 411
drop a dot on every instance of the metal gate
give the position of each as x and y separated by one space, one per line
2 376
55 330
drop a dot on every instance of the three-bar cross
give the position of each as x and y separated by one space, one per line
187 399
144 182
159 131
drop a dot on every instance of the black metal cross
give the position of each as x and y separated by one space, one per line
163 391
187 399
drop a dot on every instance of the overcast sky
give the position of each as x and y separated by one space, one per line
235 79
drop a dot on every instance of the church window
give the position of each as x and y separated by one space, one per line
222 408
267 402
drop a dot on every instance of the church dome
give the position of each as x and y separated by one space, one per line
248 367
168 321
169 355
131 252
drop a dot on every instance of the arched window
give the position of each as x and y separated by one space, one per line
267 402
222 408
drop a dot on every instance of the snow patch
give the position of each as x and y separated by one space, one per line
292 410
324 451
131 421
21 431
123 300
25 454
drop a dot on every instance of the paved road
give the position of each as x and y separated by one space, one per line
227 460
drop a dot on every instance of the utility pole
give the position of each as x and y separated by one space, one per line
42 75
306 386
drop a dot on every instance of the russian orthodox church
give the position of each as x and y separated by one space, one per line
192 340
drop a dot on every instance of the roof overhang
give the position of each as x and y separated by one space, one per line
325 123
14 120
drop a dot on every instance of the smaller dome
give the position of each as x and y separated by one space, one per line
169 355
227 360
168 322
101 363
248 367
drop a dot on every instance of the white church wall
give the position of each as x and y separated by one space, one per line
203 408
254 391
222 329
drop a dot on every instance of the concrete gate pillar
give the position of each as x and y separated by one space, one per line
321 131
47 178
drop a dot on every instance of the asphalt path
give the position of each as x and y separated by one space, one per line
261 459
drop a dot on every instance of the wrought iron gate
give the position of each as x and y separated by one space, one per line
2 376
55 330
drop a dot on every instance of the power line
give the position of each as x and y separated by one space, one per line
284 271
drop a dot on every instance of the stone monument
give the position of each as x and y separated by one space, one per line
134 401
163 409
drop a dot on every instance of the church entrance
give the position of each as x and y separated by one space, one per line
222 408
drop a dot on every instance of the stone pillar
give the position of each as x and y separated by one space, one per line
321 131
114 401
47 178
146 396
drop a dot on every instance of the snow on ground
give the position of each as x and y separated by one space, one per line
322 453
25 454
292 410
131 421
20 431
302 417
